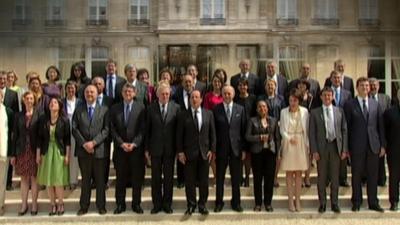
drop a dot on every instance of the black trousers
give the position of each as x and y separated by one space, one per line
162 175
364 163
91 166
9 175
236 177
180 172
343 171
196 170
382 171
129 167
394 177
263 165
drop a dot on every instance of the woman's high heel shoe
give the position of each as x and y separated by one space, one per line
60 211
23 212
53 210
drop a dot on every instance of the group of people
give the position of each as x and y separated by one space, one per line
263 124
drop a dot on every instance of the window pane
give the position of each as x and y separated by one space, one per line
92 3
376 68
103 3
219 8
103 13
92 13
100 53
99 68
207 8
143 12
287 9
368 9
325 9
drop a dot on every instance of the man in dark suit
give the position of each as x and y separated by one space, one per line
392 127
281 82
305 75
10 100
366 144
141 88
329 144
274 102
198 85
196 144
160 147
346 81
384 102
230 127
90 127
341 96
127 122
252 79
113 82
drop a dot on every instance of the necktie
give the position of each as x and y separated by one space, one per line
196 120
99 100
90 113
365 109
163 112
337 96
110 87
127 112
228 113
187 99
330 126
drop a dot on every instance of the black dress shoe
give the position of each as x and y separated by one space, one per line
377 208
257 208
322 208
120 209
9 188
82 212
355 208
344 184
237 208
180 185
335 208
203 211
102 211
394 206
190 210
168 209
269 208
218 208
155 210
34 213
137 209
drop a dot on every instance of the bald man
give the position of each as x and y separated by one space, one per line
305 73
251 78
271 73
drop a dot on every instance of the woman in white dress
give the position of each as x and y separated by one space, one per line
295 147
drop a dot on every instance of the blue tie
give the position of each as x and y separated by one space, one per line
110 87
337 96
90 113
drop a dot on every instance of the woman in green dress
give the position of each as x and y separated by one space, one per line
52 154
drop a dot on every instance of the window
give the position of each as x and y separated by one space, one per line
97 12
372 63
321 58
176 58
395 70
212 12
140 56
139 11
247 52
325 12
209 58
23 12
100 56
368 12
290 61
67 56
55 12
286 12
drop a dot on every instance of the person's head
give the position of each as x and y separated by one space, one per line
111 67
262 109
130 72
30 75
128 92
373 86
217 83
78 71
192 70
195 99
294 98
29 100
243 86
303 85
271 68
98 82
56 106
166 75
144 76
244 65
222 74
35 85
305 70
327 96
188 83
362 87
3 79
70 88
339 66
53 74
228 93
336 79
270 87
163 92
91 94
11 78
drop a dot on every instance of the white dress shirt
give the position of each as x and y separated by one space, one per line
199 117
186 99
360 101
330 110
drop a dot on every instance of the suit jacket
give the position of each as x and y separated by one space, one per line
20 132
62 134
275 105
230 136
201 86
392 127
141 92
131 133
255 129
85 130
11 100
252 79
364 132
317 130
345 95
119 82
347 84
160 136
282 84
192 142
315 88
10 120
178 98
384 101
284 124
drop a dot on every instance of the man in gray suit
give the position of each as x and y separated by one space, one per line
366 144
281 81
90 128
305 72
141 88
252 79
384 102
328 143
